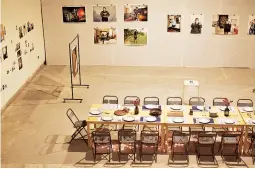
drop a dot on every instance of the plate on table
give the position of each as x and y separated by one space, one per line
176 107
229 121
129 118
253 121
151 119
151 106
248 109
95 112
107 118
120 112
223 108
178 120
200 108
204 120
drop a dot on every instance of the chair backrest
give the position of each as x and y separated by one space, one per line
72 116
151 100
219 101
180 137
207 134
126 136
101 137
128 100
244 103
196 101
149 137
174 101
233 135
110 99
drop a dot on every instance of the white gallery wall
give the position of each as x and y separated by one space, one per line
16 13
163 49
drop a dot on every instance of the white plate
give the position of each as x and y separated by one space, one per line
223 108
178 120
128 118
151 119
176 107
229 121
248 109
253 121
95 112
151 106
204 120
106 118
200 108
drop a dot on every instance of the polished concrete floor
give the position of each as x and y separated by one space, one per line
35 129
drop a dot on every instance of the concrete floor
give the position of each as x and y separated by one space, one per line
35 128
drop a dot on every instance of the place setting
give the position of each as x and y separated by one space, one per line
203 120
227 121
246 109
176 120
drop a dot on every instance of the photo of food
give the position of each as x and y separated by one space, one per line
225 24
174 23
74 14
251 25
104 13
135 37
135 13
74 61
105 36
196 23
20 63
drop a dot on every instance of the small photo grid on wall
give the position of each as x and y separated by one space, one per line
2 32
135 12
74 14
105 36
225 24
173 23
196 24
20 63
251 25
104 13
135 36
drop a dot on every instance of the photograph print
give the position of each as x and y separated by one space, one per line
225 24
135 37
5 53
135 12
75 60
21 32
2 32
196 23
74 14
17 47
174 23
20 63
251 25
104 13
105 36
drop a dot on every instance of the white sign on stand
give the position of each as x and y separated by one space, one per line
190 89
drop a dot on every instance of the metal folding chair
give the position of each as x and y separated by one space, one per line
129 100
101 144
151 101
127 143
79 125
149 144
174 101
218 101
244 103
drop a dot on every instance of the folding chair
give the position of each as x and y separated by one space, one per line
79 125
151 101
218 101
244 103
127 143
129 100
149 144
102 144
174 101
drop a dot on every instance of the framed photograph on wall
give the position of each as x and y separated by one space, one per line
134 12
196 24
74 14
173 23
75 61
104 13
225 24
105 36
251 25
5 53
20 63
2 32
135 36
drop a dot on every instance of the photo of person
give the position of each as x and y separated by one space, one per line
104 13
24 30
135 37
20 32
251 25
2 32
17 47
174 23
32 47
20 63
225 24
5 53
73 14
196 23
135 13
105 36
18 53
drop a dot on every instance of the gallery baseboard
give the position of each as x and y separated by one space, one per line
21 88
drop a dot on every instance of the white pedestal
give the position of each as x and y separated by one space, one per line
190 89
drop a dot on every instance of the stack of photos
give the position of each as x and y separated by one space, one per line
174 23
225 24
2 32
251 25
74 14
104 13
105 36
196 23
135 37
135 13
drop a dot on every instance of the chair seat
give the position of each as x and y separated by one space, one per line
229 140
102 149
206 140
82 123
127 148
146 149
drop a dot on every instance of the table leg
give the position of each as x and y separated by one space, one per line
88 132
163 137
